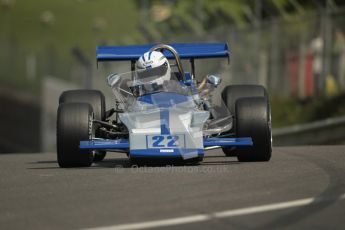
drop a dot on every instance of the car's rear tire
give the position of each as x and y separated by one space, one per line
253 119
231 94
93 97
74 123
97 101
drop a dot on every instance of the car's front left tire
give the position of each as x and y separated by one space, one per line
253 119
231 94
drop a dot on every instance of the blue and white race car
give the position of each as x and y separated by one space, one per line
162 113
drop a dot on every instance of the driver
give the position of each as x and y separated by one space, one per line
153 69
152 60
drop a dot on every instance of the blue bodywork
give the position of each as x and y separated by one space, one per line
124 143
185 50
165 100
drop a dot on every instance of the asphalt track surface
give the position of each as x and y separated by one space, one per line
300 188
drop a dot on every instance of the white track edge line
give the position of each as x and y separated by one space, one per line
222 214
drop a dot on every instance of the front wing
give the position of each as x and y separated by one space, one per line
165 151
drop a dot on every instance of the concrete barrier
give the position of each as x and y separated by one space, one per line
50 92
19 122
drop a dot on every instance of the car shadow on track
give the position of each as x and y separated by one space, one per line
106 163
112 163
219 156
43 162
126 163
220 163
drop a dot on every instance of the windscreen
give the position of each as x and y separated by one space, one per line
130 87
144 91
151 75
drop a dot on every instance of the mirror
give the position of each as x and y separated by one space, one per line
214 80
112 79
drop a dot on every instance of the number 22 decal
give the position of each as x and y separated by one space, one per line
157 141
170 141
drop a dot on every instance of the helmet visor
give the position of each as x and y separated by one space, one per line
150 74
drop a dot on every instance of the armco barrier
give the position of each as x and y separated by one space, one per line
328 131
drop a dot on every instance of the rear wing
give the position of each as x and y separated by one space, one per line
185 50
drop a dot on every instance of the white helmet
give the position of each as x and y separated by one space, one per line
155 60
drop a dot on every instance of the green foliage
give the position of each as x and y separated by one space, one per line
287 111
226 11
69 23
199 16
47 31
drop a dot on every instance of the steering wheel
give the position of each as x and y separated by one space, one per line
161 47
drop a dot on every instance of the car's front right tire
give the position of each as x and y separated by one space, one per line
74 123
97 101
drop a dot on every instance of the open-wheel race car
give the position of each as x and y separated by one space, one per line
161 112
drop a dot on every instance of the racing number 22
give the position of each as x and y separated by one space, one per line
169 140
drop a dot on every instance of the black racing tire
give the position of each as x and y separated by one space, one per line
93 97
74 123
99 156
231 94
97 101
253 119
